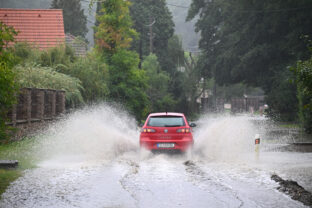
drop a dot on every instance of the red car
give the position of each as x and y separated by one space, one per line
169 131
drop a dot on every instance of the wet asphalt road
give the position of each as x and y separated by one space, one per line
155 181
224 170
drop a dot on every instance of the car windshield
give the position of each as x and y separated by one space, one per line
166 121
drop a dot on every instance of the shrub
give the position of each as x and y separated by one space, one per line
8 87
93 74
36 76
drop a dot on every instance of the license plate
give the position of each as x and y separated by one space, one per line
165 145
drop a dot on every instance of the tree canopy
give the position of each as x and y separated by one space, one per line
144 14
253 42
75 22
114 31
8 87
114 35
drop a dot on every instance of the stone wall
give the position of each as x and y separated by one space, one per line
35 107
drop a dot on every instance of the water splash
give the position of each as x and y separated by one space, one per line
225 138
95 133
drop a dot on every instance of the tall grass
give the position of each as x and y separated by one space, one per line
20 151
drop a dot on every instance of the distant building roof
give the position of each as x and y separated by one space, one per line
78 45
44 28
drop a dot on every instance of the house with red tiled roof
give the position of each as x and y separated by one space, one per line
43 28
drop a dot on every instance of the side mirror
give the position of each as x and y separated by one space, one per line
192 125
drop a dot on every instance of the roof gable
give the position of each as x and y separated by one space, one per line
44 28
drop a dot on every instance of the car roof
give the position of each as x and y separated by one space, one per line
166 114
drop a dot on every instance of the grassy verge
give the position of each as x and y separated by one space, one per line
20 151
6 177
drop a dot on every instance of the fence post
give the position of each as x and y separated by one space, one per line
53 105
41 105
28 104
14 115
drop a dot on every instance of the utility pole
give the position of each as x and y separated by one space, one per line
151 33
140 49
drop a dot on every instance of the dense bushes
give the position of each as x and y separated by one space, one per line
48 78
8 88
303 72
161 99
93 75
83 78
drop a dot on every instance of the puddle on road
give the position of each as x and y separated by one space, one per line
91 159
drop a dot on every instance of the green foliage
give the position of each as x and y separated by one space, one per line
114 31
143 14
58 57
75 22
18 150
158 80
253 42
128 83
114 35
48 78
8 87
7 34
303 73
91 71
282 99
176 54
94 77
6 177
192 85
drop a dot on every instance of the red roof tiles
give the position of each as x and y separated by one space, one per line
43 28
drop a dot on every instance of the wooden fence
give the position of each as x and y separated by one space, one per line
37 105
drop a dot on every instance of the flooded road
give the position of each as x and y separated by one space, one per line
91 159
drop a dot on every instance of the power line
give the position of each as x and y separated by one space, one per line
273 10
254 11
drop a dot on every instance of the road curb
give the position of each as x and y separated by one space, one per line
294 190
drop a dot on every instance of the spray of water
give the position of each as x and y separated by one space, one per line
100 132
103 132
224 138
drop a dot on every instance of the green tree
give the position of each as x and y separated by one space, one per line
144 13
8 88
58 57
128 83
94 76
253 42
114 34
34 76
158 90
75 22
115 27
303 73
